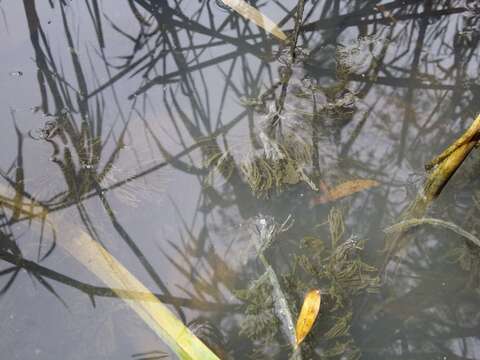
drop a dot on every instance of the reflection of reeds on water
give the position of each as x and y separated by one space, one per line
135 190
335 266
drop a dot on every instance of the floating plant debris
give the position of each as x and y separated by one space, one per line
343 190
308 314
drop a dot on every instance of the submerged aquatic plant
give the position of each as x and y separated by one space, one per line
358 56
221 163
268 304
278 165
260 321
291 126
335 267
468 257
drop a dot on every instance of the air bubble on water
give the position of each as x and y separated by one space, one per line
87 166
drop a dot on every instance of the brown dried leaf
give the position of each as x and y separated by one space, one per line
344 189
387 14
255 16
308 314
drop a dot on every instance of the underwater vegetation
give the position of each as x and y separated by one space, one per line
240 179
335 267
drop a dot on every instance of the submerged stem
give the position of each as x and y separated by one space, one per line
267 231
406 224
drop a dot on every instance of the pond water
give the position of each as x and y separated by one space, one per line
176 132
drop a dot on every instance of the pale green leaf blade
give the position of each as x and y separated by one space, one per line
255 16
155 314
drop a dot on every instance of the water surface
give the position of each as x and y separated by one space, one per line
138 121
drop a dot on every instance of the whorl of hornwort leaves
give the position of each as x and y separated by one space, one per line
279 165
335 267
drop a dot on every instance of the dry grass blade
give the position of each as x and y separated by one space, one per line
450 160
444 166
155 314
100 262
308 314
255 16
469 136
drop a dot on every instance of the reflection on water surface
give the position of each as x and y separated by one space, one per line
169 130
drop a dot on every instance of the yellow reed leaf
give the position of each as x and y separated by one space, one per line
308 314
155 314
255 16
92 255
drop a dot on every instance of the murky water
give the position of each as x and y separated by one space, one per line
173 131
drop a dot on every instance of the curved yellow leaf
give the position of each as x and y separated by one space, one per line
255 16
308 314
